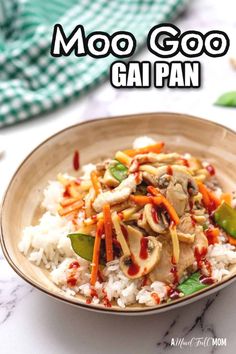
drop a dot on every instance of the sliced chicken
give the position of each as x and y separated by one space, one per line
117 195
162 271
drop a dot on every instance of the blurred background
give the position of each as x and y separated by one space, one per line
40 95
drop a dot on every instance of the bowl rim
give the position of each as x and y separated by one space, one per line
126 311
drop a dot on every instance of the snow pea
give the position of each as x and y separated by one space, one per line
119 171
225 217
83 246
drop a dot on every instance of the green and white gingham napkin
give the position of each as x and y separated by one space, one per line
31 80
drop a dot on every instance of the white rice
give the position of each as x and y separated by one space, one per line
143 141
46 244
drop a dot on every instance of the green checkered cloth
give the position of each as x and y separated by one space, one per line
33 82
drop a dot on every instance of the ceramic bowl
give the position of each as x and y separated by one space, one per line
97 140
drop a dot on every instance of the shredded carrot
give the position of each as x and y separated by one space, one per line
157 200
141 199
71 208
108 232
95 182
212 235
226 197
69 201
156 148
153 190
169 207
96 252
210 201
232 240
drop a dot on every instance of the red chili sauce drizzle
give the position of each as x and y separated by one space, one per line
121 215
211 236
133 268
124 232
154 215
93 293
173 293
144 281
66 193
135 166
200 255
94 217
71 281
74 265
193 220
184 161
201 260
105 299
211 170
156 298
191 211
76 162
143 254
174 272
169 170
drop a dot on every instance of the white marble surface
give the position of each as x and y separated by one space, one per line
31 322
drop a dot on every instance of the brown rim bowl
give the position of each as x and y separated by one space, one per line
96 140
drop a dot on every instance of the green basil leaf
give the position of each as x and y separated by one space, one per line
119 171
83 246
191 284
228 99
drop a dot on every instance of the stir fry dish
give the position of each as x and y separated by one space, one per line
145 226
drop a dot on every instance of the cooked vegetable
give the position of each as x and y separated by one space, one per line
175 244
191 284
232 240
71 208
83 246
225 217
145 254
147 216
95 182
212 235
119 171
210 201
158 201
156 148
96 252
108 232
119 234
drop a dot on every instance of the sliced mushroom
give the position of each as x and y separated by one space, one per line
145 254
142 222
157 222
177 197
